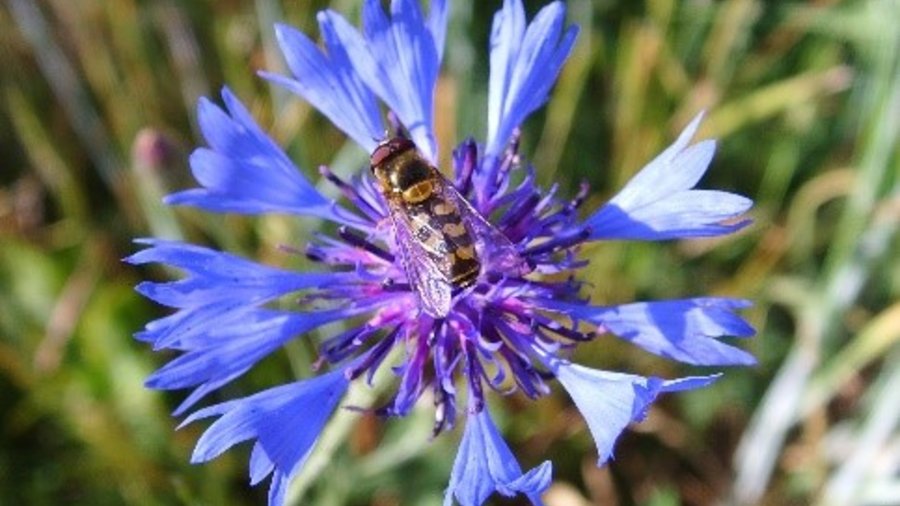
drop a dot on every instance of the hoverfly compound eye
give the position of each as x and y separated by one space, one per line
388 149
381 153
401 144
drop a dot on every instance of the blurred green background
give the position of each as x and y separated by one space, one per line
97 115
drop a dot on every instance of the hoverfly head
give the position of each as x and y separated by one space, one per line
389 148
386 156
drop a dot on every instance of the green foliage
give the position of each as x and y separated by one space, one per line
98 114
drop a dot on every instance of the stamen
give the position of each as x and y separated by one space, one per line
519 211
474 375
444 409
342 345
410 387
567 240
371 360
350 193
465 157
314 254
510 158
558 328
360 242
581 196
525 374
496 173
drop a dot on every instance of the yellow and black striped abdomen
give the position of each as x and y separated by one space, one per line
439 228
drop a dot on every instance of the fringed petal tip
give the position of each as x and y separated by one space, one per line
660 202
326 79
611 401
398 59
243 171
215 277
686 330
524 64
284 421
485 464
220 346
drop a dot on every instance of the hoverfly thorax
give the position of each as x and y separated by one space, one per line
440 237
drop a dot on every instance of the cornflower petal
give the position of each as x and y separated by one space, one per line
685 330
328 81
214 275
660 203
177 330
524 65
218 286
244 171
227 351
485 464
278 488
609 401
399 60
285 421
437 24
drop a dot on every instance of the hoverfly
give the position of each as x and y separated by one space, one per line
444 243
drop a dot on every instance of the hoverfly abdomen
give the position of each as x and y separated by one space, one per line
446 238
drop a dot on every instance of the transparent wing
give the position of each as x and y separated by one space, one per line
496 251
425 275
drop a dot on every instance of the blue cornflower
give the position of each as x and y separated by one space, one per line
508 326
